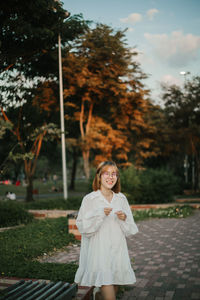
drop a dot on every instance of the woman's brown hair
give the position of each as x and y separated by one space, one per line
97 179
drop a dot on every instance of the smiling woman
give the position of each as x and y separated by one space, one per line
107 172
104 221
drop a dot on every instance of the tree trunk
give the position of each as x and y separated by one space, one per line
86 165
74 168
84 133
29 189
198 174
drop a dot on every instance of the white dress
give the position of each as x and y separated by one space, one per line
104 258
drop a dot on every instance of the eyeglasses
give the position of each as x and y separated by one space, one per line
107 174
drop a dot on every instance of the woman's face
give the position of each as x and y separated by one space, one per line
109 177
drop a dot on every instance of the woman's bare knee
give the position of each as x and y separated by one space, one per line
108 292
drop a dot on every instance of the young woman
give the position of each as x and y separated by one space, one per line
104 220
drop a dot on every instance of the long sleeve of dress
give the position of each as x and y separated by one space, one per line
90 218
128 226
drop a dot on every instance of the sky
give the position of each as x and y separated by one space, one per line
166 34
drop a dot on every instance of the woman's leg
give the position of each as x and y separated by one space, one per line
116 289
108 292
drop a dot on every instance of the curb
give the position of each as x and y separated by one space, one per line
50 213
72 228
156 206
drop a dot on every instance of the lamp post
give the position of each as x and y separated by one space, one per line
186 164
62 123
184 74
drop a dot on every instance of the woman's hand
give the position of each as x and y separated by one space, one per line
121 215
107 210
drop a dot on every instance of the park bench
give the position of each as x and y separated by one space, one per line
39 290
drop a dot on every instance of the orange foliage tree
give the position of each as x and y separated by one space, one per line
104 93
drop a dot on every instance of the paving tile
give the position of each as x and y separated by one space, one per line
158 284
180 286
185 276
195 296
144 294
177 269
169 294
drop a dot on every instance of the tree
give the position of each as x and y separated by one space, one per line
46 101
104 93
183 116
28 46
29 35
28 125
29 140
3 127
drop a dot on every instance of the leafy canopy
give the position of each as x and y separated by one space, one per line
29 34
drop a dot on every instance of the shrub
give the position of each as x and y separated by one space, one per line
12 213
130 182
71 203
149 186
157 186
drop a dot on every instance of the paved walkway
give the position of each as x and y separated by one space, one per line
165 255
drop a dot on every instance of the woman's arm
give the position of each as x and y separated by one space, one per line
125 218
90 218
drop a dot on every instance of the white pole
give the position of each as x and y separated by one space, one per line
186 164
64 168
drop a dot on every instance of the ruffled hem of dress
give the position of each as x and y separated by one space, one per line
104 278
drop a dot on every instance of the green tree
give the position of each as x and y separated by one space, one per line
29 127
29 35
28 46
28 139
3 127
182 109
162 139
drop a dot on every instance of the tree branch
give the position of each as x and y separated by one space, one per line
81 119
89 117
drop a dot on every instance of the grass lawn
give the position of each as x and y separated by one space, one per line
20 247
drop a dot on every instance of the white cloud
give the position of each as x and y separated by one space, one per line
132 18
177 49
170 80
142 58
136 17
131 29
151 13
